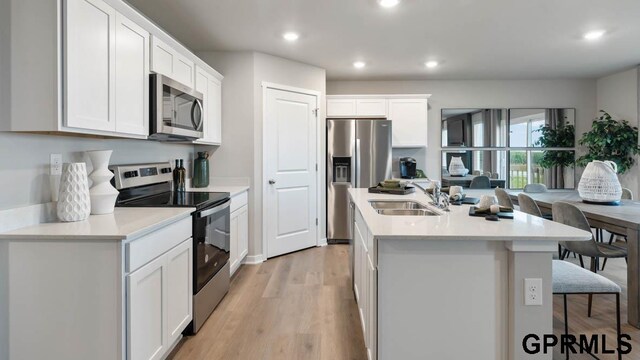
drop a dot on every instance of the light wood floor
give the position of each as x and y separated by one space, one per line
301 306
297 306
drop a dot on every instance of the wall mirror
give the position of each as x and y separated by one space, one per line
548 128
512 168
474 127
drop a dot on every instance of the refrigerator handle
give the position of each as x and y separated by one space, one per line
357 177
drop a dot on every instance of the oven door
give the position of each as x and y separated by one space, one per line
211 236
176 110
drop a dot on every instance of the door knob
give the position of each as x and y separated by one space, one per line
271 181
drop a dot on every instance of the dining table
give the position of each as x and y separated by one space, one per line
465 181
623 219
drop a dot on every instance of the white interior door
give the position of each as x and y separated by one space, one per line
290 171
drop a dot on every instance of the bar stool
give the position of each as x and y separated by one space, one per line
570 279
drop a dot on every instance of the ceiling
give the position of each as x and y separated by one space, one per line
471 39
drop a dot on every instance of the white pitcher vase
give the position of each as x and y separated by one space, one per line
103 194
599 182
74 203
456 167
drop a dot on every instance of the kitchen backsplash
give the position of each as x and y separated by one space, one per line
24 174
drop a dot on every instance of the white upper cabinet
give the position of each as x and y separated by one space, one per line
107 87
211 88
371 107
408 114
83 66
341 107
167 61
90 65
409 120
132 77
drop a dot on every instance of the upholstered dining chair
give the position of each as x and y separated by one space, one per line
569 214
480 182
535 188
503 198
495 176
476 172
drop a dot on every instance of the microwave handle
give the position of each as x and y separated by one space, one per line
197 125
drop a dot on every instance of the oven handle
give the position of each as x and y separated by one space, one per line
214 210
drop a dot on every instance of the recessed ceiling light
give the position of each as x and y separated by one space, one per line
359 64
388 3
290 36
431 64
594 35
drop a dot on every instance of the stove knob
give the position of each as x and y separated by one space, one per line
130 174
165 170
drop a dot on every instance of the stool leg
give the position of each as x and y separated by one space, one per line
581 261
566 325
604 263
618 325
590 303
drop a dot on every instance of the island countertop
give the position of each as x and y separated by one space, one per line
125 223
457 224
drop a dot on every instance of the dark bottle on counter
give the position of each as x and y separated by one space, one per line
179 175
183 176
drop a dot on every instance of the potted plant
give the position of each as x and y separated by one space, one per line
555 161
562 136
610 139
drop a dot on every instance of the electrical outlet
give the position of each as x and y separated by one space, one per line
533 292
56 164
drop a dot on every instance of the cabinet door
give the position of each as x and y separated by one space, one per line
233 242
90 65
373 310
409 118
162 57
147 336
179 289
357 263
243 233
214 120
371 107
183 69
132 77
341 107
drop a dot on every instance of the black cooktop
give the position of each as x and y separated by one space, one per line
198 200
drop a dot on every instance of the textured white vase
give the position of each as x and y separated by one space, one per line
599 182
456 167
103 194
74 203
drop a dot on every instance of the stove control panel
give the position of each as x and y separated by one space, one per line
128 176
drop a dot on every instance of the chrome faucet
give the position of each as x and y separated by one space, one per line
438 198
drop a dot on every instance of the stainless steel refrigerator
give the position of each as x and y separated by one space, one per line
358 156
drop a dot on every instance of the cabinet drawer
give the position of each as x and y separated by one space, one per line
238 201
149 247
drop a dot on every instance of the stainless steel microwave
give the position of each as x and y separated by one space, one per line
176 112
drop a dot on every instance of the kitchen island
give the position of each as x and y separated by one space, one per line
448 285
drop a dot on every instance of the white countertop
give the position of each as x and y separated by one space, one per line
232 189
123 224
457 224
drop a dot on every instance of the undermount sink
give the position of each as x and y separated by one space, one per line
401 208
396 204
407 212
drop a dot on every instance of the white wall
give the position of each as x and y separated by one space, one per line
572 93
241 152
618 94
24 161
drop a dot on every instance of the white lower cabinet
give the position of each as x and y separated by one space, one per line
147 311
365 284
239 236
159 303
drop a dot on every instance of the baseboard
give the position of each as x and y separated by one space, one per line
323 242
253 259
